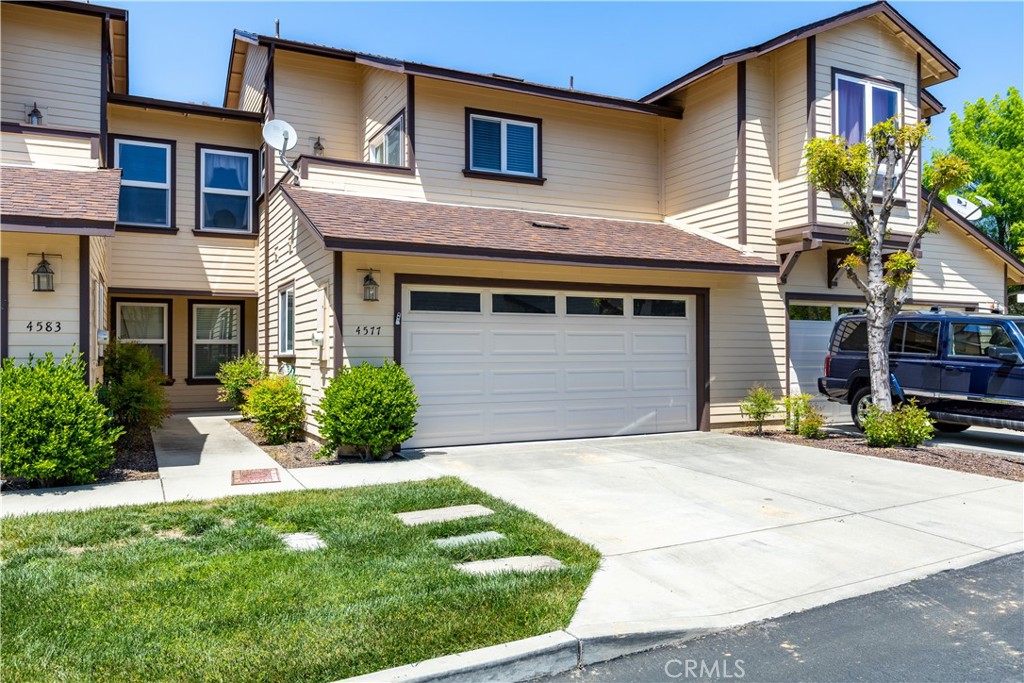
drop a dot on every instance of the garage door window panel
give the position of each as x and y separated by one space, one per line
452 302
523 303
593 305
659 308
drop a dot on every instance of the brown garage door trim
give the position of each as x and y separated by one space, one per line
702 318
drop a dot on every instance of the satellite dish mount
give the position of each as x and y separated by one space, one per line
279 135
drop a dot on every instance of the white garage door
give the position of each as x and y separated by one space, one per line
810 327
495 365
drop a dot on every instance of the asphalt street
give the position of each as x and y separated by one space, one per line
961 625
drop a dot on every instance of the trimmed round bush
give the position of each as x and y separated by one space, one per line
276 404
133 385
368 408
54 429
236 377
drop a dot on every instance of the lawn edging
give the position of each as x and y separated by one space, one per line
548 654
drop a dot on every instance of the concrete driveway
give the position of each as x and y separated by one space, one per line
702 531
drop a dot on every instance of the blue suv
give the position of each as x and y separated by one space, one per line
965 368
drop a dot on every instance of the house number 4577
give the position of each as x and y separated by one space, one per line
367 331
43 326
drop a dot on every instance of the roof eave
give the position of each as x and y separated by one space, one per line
999 250
184 108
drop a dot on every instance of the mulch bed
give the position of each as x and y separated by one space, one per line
290 455
134 460
957 459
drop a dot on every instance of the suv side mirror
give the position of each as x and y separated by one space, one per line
1004 354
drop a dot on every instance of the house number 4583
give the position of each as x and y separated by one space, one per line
43 326
367 331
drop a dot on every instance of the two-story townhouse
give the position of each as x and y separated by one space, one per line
545 263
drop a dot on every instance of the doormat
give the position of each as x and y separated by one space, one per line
264 476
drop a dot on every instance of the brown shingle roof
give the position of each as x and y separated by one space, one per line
355 223
59 198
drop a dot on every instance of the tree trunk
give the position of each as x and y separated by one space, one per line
878 354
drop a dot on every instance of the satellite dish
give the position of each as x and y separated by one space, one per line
968 210
280 135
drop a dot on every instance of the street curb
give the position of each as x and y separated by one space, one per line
524 660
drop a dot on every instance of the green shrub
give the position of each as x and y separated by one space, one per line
276 404
238 375
907 425
796 406
759 405
52 427
812 424
133 386
368 408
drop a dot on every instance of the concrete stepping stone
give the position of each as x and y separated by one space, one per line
447 514
303 541
521 563
481 537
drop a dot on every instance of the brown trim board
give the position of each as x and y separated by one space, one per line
812 132
338 286
741 151
702 317
5 281
84 321
184 108
106 65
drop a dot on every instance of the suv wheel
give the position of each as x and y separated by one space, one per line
950 427
859 405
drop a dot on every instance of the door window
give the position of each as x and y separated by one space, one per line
974 339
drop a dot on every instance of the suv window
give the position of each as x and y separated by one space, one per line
853 336
973 339
914 336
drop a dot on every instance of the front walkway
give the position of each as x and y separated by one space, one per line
196 455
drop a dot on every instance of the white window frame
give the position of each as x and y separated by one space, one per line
166 186
237 342
378 145
867 116
121 305
504 145
203 190
285 342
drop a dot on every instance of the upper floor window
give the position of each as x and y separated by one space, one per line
388 146
146 182
862 103
501 143
226 181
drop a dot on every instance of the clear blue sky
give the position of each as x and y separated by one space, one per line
179 50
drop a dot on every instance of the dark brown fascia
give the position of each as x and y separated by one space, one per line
65 226
999 250
75 8
468 78
932 102
805 32
184 108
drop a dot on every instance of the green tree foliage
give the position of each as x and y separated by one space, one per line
53 428
866 177
989 135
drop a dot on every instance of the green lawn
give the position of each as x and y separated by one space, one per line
205 590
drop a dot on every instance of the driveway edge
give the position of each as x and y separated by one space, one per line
524 660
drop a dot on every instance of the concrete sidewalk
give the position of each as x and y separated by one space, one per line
196 455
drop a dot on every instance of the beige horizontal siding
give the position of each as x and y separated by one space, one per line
23 251
955 268
319 97
48 151
760 153
791 206
253 78
184 260
53 59
383 96
296 256
868 48
700 157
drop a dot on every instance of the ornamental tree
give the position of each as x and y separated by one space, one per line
866 177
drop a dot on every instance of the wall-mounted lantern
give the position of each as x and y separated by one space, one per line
42 276
370 287
35 117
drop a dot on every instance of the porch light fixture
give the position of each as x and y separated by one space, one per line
370 287
35 117
318 147
42 276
